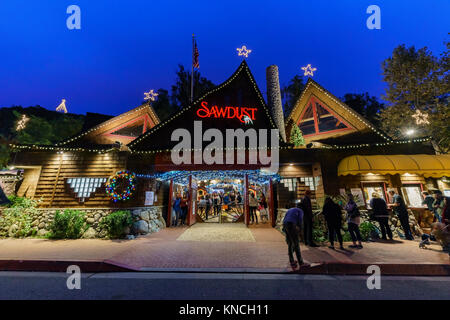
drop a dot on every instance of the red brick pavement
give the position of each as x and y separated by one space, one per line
267 253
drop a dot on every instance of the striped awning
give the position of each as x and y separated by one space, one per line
427 165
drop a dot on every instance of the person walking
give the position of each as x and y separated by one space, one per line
307 219
207 206
353 221
216 204
438 205
263 214
253 204
399 207
333 216
291 225
446 212
381 214
177 209
428 200
201 206
226 202
184 209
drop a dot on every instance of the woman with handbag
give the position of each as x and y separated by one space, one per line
353 221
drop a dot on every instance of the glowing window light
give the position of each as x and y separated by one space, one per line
84 187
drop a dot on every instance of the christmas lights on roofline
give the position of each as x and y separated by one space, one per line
162 124
343 105
101 125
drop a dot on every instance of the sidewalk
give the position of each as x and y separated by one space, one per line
217 248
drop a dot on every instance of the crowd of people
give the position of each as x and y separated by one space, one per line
302 215
211 205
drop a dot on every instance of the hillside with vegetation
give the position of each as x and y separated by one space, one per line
35 125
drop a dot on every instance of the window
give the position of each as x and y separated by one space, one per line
291 183
307 125
413 195
318 119
84 187
370 189
134 129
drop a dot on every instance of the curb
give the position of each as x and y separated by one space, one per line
314 268
61 266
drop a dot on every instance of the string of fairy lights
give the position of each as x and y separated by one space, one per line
182 177
108 122
152 95
242 67
349 110
16 147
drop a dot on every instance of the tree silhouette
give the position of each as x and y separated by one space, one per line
181 90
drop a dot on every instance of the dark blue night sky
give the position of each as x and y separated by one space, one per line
127 47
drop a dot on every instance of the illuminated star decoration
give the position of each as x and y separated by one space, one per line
62 106
420 117
22 123
151 95
243 51
309 70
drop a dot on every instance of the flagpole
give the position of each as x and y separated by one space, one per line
192 71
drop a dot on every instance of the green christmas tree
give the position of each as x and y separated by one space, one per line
296 137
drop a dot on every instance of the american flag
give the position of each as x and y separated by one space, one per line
195 57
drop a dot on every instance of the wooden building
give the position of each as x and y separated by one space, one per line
343 153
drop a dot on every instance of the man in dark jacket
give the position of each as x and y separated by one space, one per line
399 207
333 216
307 219
291 224
381 214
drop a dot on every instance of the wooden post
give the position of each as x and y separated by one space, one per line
190 216
56 180
246 204
271 203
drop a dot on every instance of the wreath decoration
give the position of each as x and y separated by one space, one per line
121 186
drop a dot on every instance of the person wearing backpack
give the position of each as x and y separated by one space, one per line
353 221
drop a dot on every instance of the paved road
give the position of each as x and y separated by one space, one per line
198 286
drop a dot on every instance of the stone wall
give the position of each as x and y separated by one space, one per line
146 220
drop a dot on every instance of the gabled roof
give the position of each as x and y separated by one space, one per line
239 89
96 134
357 122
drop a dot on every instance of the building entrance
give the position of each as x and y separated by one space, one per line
241 196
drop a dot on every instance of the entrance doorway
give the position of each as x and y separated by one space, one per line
221 200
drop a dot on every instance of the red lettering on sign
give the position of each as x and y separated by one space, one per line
229 112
